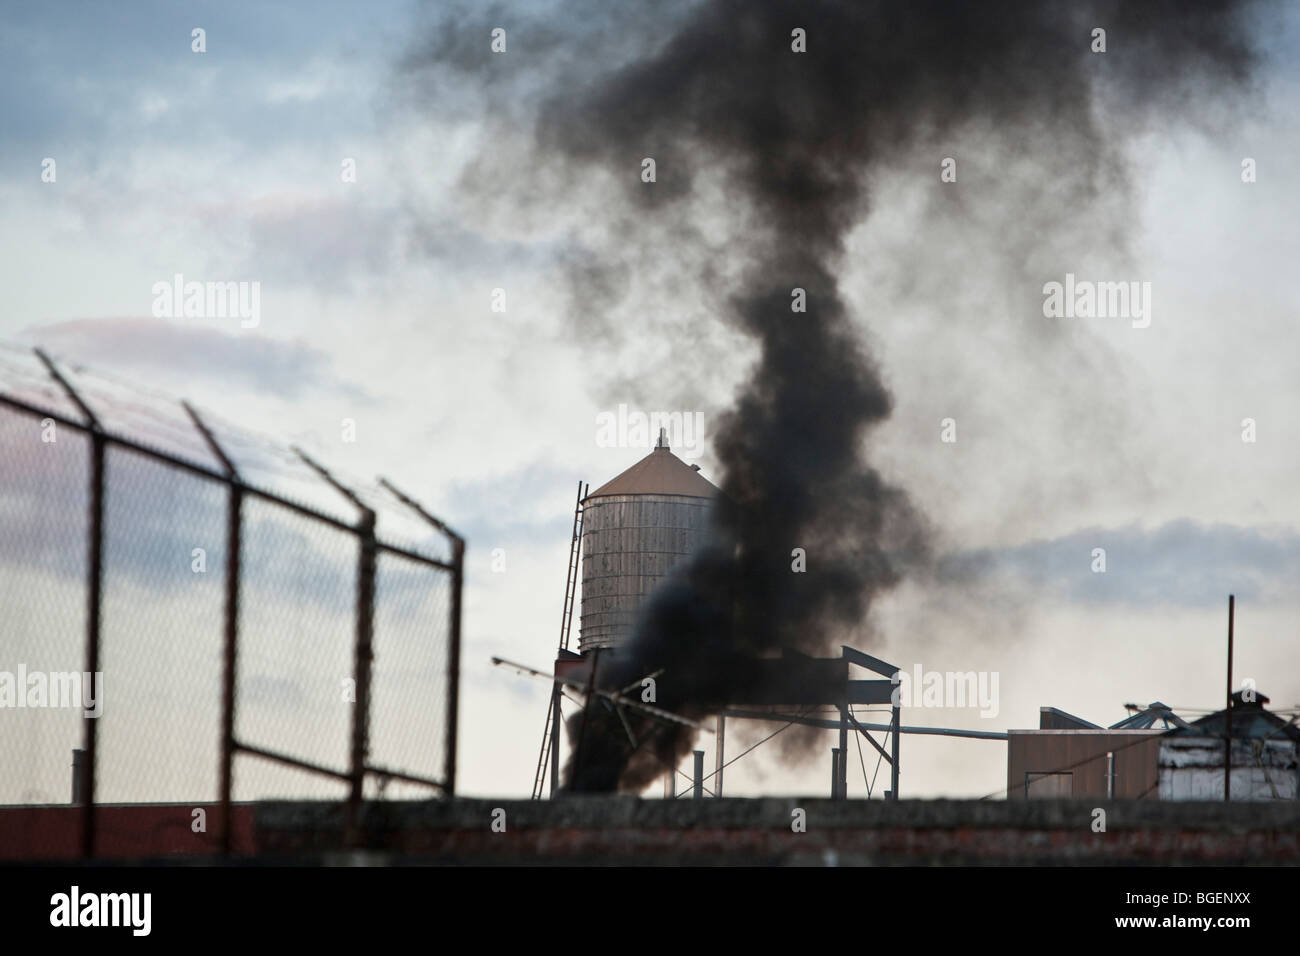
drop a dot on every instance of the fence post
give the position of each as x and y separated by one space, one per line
453 662
453 652
361 673
94 595
230 650
93 604
364 652
234 539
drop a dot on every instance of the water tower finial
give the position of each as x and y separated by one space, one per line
663 439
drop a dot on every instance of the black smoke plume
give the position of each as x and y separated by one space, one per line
719 93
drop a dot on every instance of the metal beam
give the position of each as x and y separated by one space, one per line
870 739
608 695
875 664
871 691
835 725
292 761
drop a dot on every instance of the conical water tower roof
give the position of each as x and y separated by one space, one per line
658 473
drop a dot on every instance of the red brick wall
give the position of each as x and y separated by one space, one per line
133 831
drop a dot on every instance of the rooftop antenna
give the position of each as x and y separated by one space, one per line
663 439
1227 711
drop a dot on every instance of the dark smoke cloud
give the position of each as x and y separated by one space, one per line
783 147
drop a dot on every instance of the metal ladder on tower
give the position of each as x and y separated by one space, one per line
566 625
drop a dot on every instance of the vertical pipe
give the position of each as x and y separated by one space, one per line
1110 775
893 760
234 538
843 779
722 749
843 786
1227 711
453 662
586 718
555 738
835 773
93 603
364 655
78 775
699 775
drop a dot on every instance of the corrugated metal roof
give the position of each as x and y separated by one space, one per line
1249 720
658 473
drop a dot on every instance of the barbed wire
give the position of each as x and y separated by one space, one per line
155 419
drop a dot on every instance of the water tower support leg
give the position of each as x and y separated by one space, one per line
843 793
555 739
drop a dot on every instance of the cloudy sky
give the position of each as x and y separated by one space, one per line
376 305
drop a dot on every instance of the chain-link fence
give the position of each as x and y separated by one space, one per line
174 634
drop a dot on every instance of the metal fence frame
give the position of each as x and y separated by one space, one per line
369 548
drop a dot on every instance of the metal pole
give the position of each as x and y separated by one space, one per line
94 592
699 775
843 786
453 662
844 732
835 773
586 717
555 739
234 539
78 772
364 653
893 760
722 748
886 729
1110 775
1227 711
361 671
94 601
